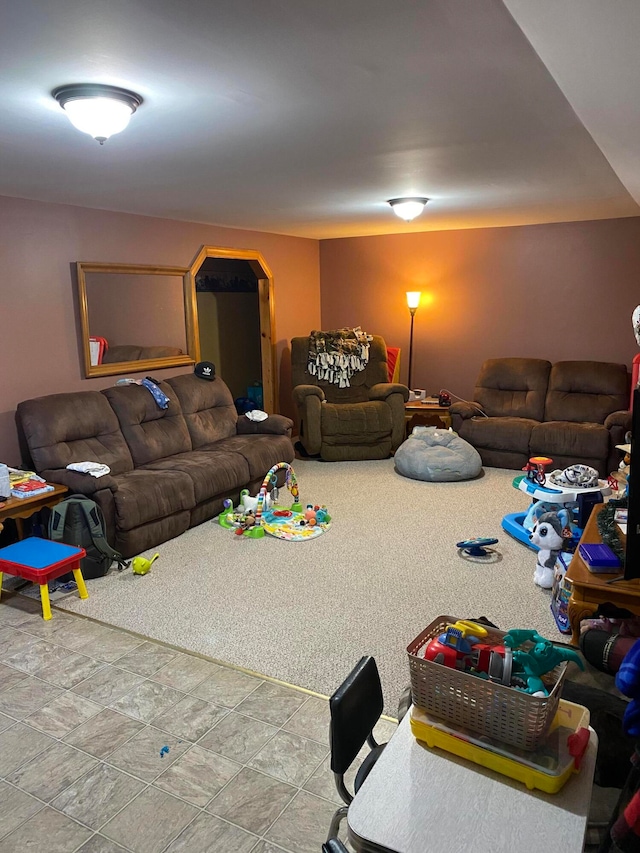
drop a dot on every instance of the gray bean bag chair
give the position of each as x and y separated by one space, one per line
437 455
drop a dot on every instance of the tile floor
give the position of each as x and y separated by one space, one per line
111 743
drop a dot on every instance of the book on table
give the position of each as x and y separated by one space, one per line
30 489
17 475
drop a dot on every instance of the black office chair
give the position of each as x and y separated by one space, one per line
334 845
355 708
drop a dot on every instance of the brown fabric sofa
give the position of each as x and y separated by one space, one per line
170 468
572 411
364 421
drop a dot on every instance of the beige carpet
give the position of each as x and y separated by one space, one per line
305 612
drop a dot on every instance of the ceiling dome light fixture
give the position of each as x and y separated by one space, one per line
408 208
97 110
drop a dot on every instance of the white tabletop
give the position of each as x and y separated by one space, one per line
417 799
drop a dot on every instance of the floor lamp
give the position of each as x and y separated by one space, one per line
413 300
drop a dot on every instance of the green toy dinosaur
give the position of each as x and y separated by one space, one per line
517 636
542 658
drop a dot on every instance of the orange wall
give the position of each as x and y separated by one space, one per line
560 291
39 334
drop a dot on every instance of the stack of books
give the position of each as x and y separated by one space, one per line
17 475
27 484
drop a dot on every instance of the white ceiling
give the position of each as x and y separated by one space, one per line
303 116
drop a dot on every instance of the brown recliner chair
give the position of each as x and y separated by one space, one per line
363 421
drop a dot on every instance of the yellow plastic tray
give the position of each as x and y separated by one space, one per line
546 768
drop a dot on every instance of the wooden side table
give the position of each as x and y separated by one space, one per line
20 508
417 413
589 590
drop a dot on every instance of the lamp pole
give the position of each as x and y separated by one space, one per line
413 300
413 314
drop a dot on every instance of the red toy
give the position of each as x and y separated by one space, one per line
455 647
535 469
449 649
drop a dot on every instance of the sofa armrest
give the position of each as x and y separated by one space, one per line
395 396
466 409
273 425
619 419
384 389
300 392
309 400
76 482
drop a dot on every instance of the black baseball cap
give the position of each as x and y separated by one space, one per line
205 370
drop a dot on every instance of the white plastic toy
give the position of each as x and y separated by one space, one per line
250 504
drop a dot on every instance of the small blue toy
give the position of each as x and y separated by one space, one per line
476 547
164 751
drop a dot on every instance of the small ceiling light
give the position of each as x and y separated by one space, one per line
408 208
97 110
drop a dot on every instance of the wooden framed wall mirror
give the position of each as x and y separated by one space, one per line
236 321
136 318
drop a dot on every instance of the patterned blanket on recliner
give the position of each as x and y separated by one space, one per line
335 356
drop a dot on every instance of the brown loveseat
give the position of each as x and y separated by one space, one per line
363 421
170 468
572 411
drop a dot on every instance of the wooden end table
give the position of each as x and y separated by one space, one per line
418 413
589 590
20 508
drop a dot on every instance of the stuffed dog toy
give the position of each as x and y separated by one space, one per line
550 535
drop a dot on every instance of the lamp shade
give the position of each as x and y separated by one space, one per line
413 298
408 208
97 110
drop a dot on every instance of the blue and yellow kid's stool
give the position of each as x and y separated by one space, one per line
41 561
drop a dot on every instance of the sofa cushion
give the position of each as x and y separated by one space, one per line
76 427
513 387
586 391
207 408
150 432
499 433
359 423
261 452
144 496
212 472
567 439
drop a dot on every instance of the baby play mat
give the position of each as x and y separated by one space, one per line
286 524
256 516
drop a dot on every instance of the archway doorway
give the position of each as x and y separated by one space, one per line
236 328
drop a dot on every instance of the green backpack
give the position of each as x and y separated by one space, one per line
79 521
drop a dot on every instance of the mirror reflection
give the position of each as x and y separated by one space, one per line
136 318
